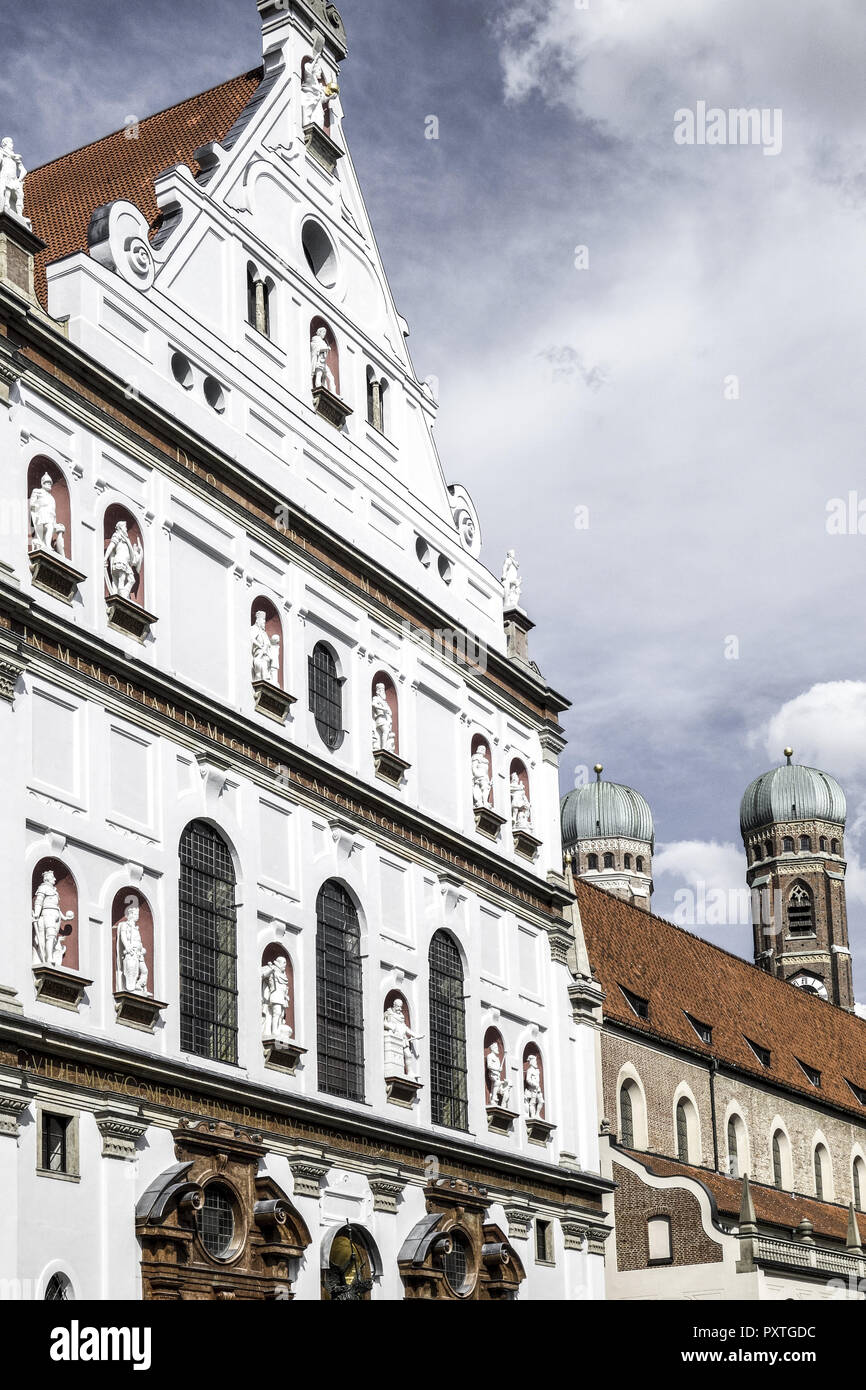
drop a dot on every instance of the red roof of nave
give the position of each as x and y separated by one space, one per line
60 197
680 974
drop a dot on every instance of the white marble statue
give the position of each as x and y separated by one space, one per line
497 1083
275 999
265 651
322 374
123 559
511 581
317 92
481 783
401 1053
521 811
131 955
48 534
383 721
533 1095
48 919
12 176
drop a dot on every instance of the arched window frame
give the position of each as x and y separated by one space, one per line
629 1079
339 993
800 909
325 688
687 1128
207 932
858 1181
822 1170
449 1102
739 1157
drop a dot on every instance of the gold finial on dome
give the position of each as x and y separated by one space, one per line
789 753
598 770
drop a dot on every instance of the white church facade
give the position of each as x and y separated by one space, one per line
287 990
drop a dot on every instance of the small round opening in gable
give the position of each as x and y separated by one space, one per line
181 371
214 395
319 253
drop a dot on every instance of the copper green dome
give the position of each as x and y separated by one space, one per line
791 793
606 809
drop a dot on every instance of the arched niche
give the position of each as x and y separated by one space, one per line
533 1050
44 476
498 1096
380 726
350 1263
115 516
521 802
481 747
401 1061
332 360
55 916
130 906
272 953
262 658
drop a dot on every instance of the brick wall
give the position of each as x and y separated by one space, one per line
636 1203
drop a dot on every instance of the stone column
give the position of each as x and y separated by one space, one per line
119 1128
387 1186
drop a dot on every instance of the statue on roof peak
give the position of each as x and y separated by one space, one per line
12 176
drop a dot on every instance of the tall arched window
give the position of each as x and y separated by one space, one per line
778 1171
801 915
858 1182
448 1096
626 1118
823 1174
683 1131
326 696
339 994
207 919
736 1146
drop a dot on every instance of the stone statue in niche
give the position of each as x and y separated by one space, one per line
401 1053
12 176
497 1082
275 1000
48 920
265 651
383 721
131 955
511 581
533 1094
521 811
48 534
123 560
323 377
481 783
317 92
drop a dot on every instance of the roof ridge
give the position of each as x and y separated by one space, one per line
711 946
152 116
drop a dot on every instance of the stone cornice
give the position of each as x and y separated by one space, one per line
167 707
310 1130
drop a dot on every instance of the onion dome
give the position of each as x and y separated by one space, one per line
606 810
791 793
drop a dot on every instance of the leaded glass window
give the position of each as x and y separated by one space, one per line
208 946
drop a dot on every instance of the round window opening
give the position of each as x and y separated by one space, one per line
216 1222
181 371
457 1264
320 254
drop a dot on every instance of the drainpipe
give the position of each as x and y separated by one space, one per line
714 1067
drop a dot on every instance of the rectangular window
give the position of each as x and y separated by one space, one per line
659 1240
55 1143
544 1243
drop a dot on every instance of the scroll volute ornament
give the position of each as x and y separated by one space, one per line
455 1253
262 1232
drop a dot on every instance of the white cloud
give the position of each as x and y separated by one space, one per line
701 862
826 727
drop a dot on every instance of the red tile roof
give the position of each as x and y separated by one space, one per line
61 196
678 973
772 1207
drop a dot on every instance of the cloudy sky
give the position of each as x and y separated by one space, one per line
660 422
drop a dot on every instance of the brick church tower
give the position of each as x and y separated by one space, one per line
792 821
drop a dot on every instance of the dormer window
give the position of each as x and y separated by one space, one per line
638 1005
763 1054
859 1091
703 1030
812 1073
